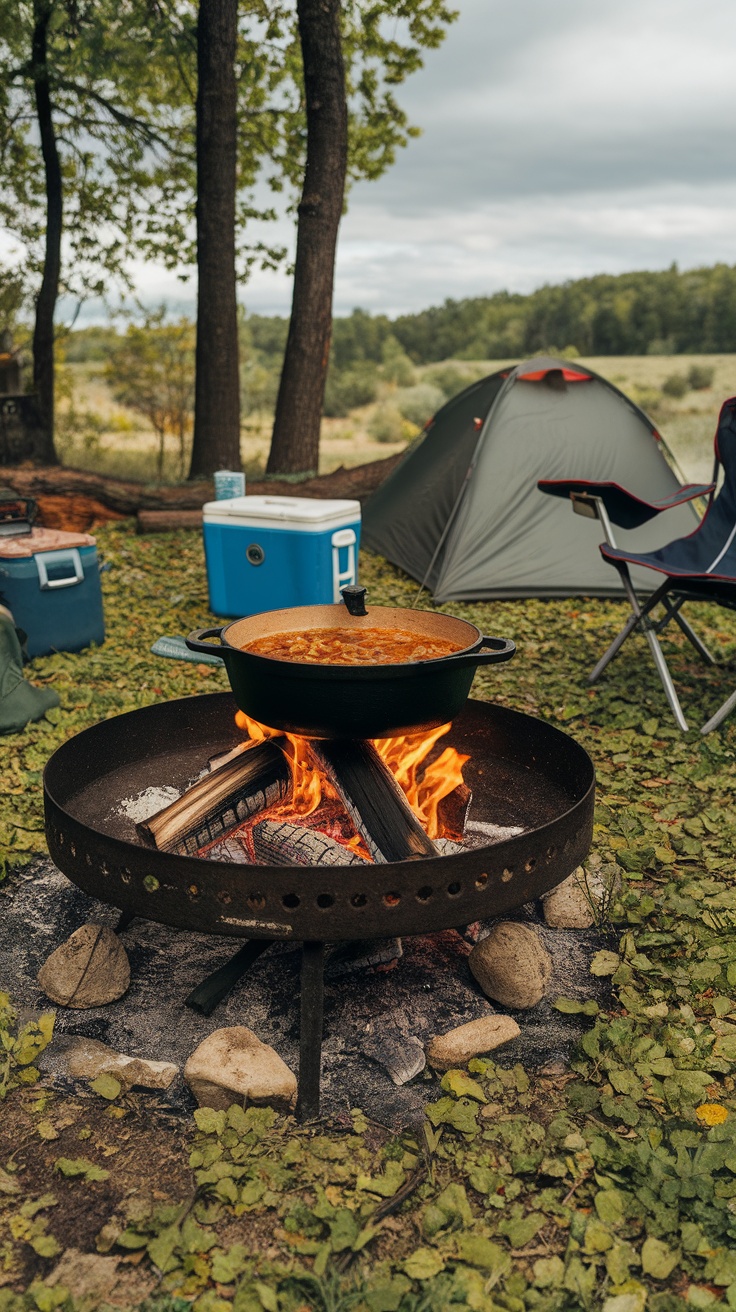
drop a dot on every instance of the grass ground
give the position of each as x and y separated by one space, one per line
102 435
612 1186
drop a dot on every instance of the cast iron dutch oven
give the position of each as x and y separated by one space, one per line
351 701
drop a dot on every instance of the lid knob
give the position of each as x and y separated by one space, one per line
354 597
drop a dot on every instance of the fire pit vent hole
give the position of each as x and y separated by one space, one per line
481 881
225 898
291 901
507 874
358 900
125 875
424 894
551 853
193 891
256 901
391 899
530 864
325 900
454 888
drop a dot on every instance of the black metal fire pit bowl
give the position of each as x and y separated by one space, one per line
522 772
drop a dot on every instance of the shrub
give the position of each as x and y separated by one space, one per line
397 367
449 378
348 388
418 404
676 385
386 424
700 376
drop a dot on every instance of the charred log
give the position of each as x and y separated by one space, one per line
219 802
277 842
374 801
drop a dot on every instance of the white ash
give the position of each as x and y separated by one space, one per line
481 833
143 805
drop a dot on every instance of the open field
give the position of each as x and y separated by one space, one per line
100 434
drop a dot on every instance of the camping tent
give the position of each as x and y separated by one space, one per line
462 512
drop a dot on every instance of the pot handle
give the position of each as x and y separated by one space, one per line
194 641
500 649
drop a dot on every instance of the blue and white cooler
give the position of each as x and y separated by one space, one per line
266 553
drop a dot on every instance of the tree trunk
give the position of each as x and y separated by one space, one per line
295 441
40 444
216 443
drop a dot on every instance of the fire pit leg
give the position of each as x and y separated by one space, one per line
310 1045
216 986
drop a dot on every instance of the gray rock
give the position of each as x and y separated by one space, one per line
90 969
232 1065
87 1058
512 965
455 1048
570 905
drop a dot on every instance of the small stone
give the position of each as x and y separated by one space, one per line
87 1058
446 1051
554 1066
570 904
512 965
90 969
232 1064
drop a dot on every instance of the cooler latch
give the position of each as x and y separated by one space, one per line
343 539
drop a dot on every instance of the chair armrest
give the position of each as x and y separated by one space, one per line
624 508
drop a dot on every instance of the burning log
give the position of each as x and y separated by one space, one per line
453 810
280 843
231 849
373 799
251 782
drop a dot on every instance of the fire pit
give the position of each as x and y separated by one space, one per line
524 774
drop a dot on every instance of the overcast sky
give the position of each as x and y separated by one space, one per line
559 139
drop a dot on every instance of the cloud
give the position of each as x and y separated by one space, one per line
558 141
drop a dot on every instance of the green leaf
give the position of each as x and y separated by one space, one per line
478 1251
107 1086
609 1204
80 1166
424 1264
605 963
461 1085
576 1006
548 1272
658 1259
45 1245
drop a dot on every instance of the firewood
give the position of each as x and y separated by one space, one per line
452 811
277 842
223 799
373 799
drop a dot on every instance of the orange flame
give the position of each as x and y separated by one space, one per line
309 786
425 787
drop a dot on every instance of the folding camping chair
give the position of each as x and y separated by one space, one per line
699 567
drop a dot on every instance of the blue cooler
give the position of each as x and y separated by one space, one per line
265 553
51 582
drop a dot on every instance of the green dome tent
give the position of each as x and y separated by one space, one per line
462 513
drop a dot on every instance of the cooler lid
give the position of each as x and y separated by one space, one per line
309 512
42 539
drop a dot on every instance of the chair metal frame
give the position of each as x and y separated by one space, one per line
672 597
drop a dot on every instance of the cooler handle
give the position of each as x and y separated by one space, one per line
70 556
344 537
